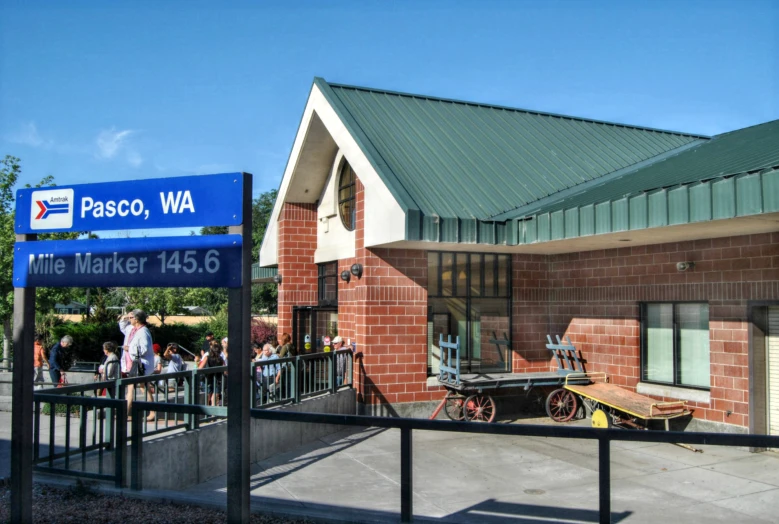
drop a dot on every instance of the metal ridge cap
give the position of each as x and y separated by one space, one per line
516 109
561 196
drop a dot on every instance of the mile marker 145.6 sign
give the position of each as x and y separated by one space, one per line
191 261
189 201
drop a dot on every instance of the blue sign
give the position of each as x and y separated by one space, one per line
189 201
192 261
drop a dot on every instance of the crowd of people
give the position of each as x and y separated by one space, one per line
140 356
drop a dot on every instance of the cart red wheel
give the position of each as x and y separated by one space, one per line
561 405
454 407
479 408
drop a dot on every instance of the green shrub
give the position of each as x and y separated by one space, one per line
60 409
87 339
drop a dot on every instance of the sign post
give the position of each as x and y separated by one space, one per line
193 261
239 331
21 412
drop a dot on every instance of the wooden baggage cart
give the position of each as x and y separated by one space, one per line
466 397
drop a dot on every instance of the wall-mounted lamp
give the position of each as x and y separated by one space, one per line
277 278
357 270
345 275
684 266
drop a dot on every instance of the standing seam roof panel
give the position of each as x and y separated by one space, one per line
464 160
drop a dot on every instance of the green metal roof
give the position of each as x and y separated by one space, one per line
454 166
748 150
735 174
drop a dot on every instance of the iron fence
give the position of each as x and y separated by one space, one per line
102 408
101 430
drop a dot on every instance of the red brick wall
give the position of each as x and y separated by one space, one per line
297 243
593 298
385 312
530 312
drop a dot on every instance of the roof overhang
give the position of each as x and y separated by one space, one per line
749 225
321 134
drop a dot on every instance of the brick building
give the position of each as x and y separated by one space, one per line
401 217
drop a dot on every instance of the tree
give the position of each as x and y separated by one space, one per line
158 301
262 208
264 296
10 169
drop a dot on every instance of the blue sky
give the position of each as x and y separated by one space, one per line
99 91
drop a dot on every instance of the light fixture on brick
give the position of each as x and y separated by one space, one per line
357 270
345 275
277 278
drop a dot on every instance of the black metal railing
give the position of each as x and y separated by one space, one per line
603 436
292 379
98 435
298 377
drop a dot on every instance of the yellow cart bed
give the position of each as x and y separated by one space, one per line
610 404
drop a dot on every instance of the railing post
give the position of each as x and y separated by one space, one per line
136 471
333 385
195 393
120 448
296 385
187 398
406 476
604 479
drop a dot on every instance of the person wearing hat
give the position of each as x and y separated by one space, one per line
341 359
157 359
207 342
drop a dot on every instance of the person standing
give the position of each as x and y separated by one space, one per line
342 360
137 354
110 367
285 346
271 374
206 347
58 358
39 358
224 350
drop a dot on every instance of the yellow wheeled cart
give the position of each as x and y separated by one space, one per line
609 404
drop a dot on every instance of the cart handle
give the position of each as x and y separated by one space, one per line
591 376
660 405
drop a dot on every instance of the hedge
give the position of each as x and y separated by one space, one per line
88 339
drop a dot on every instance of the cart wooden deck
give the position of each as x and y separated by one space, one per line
621 405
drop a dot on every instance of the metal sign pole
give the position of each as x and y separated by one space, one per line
21 417
238 367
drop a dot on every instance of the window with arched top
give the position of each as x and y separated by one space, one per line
346 200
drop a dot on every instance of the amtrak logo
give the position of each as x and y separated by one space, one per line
51 209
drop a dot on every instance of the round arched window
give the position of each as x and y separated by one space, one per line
346 201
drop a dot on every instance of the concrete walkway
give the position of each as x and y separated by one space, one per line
354 476
486 478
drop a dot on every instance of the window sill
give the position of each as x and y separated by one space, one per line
660 390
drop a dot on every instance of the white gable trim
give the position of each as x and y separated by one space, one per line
385 220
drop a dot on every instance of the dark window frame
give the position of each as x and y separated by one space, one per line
468 296
328 270
676 344
351 184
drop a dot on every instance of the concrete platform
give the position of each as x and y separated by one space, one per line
353 476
